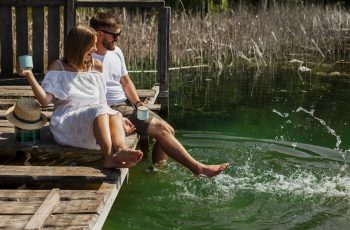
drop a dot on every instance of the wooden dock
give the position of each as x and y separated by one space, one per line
57 208
56 197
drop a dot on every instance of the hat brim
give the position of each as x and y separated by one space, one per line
11 118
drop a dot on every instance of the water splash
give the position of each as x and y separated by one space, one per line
280 114
309 172
300 185
329 129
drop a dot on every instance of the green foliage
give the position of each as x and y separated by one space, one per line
216 6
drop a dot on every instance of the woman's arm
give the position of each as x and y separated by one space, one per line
43 97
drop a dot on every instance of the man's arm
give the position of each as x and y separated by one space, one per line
130 91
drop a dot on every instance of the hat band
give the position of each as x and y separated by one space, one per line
26 121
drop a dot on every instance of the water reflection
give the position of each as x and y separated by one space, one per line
270 106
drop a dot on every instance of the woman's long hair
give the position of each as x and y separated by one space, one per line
79 40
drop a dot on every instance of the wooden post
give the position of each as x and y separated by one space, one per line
163 56
38 39
53 25
6 39
69 15
21 31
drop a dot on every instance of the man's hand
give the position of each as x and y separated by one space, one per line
138 103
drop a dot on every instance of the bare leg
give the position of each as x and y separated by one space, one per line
103 135
123 155
173 148
158 155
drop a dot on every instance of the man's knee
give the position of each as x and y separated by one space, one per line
159 128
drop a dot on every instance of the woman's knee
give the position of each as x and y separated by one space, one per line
117 116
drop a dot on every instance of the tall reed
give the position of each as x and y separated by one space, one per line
261 39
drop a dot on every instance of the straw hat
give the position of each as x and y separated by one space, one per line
26 114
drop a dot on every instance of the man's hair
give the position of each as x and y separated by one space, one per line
104 21
79 40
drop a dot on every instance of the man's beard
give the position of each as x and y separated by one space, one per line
108 45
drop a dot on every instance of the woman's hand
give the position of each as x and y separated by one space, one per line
128 126
24 72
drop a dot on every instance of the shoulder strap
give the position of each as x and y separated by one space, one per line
59 61
93 65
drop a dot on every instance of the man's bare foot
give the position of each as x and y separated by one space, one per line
212 170
161 163
155 167
124 158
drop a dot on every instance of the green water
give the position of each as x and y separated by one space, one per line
288 144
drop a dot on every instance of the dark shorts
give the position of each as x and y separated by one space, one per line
130 112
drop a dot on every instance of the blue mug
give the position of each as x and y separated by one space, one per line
25 62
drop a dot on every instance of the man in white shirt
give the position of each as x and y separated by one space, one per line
122 96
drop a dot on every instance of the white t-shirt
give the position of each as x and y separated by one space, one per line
114 69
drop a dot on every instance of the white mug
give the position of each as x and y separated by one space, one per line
142 112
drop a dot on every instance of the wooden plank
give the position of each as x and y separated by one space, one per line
17 93
39 195
9 222
123 3
16 87
85 3
22 31
151 99
19 208
6 40
44 211
84 221
8 102
33 3
19 221
145 92
80 206
53 21
61 174
113 190
73 207
38 39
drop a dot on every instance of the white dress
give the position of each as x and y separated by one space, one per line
79 97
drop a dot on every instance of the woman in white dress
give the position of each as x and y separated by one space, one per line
81 116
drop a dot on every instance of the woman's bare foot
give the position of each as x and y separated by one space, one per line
212 170
124 158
